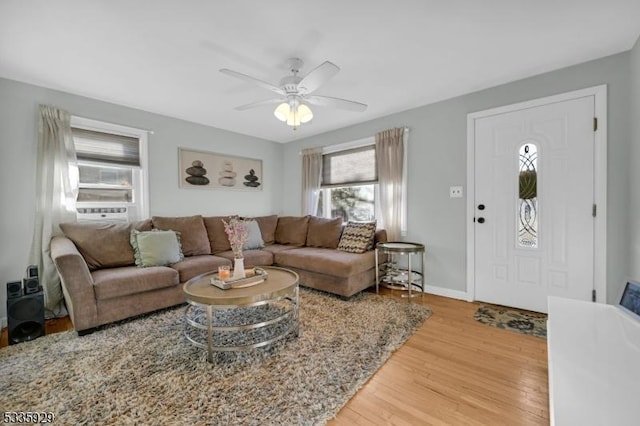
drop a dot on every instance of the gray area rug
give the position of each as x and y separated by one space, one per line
145 372
524 322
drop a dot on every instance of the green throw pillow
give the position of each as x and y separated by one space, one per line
254 238
156 248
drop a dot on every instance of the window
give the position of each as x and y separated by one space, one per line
112 170
349 182
527 210
355 202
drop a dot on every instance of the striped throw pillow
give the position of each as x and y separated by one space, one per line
357 237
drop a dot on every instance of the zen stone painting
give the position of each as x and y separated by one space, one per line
200 169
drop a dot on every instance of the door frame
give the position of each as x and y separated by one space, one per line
600 181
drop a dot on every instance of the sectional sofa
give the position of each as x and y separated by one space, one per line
102 284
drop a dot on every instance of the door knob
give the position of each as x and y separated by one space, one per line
481 220
480 206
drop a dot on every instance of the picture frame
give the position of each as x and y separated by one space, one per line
210 170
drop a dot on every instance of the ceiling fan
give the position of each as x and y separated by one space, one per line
295 93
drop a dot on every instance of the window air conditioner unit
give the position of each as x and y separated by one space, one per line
112 214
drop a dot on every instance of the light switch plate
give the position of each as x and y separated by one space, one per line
455 192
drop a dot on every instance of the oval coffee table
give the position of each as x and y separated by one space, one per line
277 296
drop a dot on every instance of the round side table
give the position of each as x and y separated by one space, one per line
392 273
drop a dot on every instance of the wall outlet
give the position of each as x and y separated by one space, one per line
455 192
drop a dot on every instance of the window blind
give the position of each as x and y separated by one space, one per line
350 167
110 148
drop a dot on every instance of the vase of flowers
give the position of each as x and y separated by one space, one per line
237 234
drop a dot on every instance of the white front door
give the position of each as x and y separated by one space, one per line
534 200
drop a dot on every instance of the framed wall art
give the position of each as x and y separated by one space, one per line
208 170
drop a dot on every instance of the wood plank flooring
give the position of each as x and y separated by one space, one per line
456 371
452 371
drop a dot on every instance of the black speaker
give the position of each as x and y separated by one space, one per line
31 285
32 271
14 289
25 317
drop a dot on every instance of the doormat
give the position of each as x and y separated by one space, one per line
524 322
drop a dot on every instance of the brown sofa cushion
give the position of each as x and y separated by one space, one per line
251 257
196 265
117 282
326 261
218 240
324 233
104 244
277 248
292 230
193 234
267 226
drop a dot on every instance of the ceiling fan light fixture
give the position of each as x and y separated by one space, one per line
293 89
282 111
293 113
293 119
305 114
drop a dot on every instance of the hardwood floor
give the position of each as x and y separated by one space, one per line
452 371
456 371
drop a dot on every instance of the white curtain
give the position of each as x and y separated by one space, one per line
390 160
311 178
56 191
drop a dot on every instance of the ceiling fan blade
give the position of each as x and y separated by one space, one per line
336 102
317 77
253 80
259 104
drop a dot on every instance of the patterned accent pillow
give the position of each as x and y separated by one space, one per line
357 237
156 248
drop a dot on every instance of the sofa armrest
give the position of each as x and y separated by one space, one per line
380 236
77 283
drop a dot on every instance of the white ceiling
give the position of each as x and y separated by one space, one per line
163 56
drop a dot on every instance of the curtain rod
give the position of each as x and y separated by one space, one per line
406 129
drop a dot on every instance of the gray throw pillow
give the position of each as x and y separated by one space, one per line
254 239
156 248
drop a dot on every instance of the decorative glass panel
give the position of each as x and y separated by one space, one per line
527 216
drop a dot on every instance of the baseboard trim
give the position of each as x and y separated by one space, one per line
447 292
3 323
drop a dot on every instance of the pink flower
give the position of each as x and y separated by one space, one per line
238 234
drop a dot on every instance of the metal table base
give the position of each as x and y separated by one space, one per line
200 316
392 277
273 306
